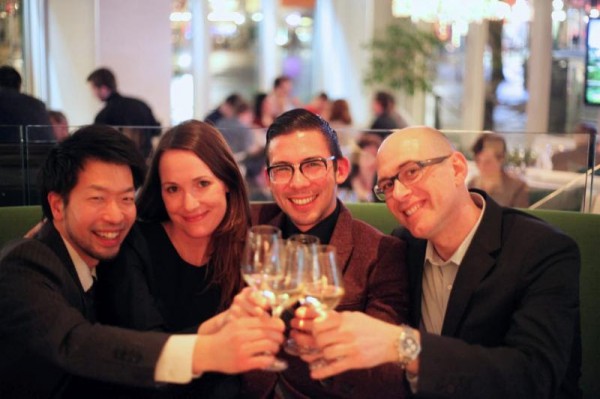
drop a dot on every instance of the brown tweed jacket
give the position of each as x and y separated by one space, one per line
375 280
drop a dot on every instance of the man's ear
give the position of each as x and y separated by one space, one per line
343 170
57 205
460 167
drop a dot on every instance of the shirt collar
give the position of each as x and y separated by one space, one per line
457 257
84 272
323 229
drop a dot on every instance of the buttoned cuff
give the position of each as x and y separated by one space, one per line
175 361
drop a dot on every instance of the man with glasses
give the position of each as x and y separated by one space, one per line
494 291
305 165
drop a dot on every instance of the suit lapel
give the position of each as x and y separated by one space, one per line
477 263
52 239
415 259
342 238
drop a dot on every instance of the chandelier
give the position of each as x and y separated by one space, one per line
448 12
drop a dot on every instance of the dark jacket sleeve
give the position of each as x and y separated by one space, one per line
39 313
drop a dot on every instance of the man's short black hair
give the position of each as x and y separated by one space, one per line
61 169
103 77
10 78
300 119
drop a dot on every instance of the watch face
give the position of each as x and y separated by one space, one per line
410 346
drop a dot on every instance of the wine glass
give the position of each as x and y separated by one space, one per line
262 267
308 244
324 287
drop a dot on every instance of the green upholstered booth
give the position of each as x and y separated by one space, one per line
584 228
17 220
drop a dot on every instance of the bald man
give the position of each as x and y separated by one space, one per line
494 291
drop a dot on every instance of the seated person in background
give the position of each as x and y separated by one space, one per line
386 116
180 265
319 105
60 125
576 160
281 98
51 344
236 129
494 291
20 109
340 120
490 155
359 185
224 110
262 118
305 164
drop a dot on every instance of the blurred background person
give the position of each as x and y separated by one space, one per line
20 109
236 129
224 110
340 119
386 116
576 159
124 112
281 98
506 189
262 114
60 125
319 105
363 173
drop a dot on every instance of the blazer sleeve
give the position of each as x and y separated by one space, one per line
533 357
386 295
39 312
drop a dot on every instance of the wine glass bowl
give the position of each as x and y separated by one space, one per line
263 270
324 288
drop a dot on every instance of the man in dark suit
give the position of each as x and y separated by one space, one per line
305 165
19 109
50 343
130 114
494 291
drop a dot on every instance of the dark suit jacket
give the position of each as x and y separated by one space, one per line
375 283
128 112
46 337
511 328
21 109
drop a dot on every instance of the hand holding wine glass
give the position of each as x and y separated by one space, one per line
307 244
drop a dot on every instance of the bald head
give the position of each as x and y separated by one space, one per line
434 204
420 141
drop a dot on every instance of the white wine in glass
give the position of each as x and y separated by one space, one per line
262 267
307 244
324 288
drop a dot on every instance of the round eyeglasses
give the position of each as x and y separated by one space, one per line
409 174
313 168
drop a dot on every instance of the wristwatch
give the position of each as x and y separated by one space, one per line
408 345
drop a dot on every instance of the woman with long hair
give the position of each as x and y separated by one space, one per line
180 266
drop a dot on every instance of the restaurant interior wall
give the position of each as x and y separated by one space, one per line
131 37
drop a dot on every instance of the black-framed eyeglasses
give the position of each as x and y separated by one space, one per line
313 168
409 174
